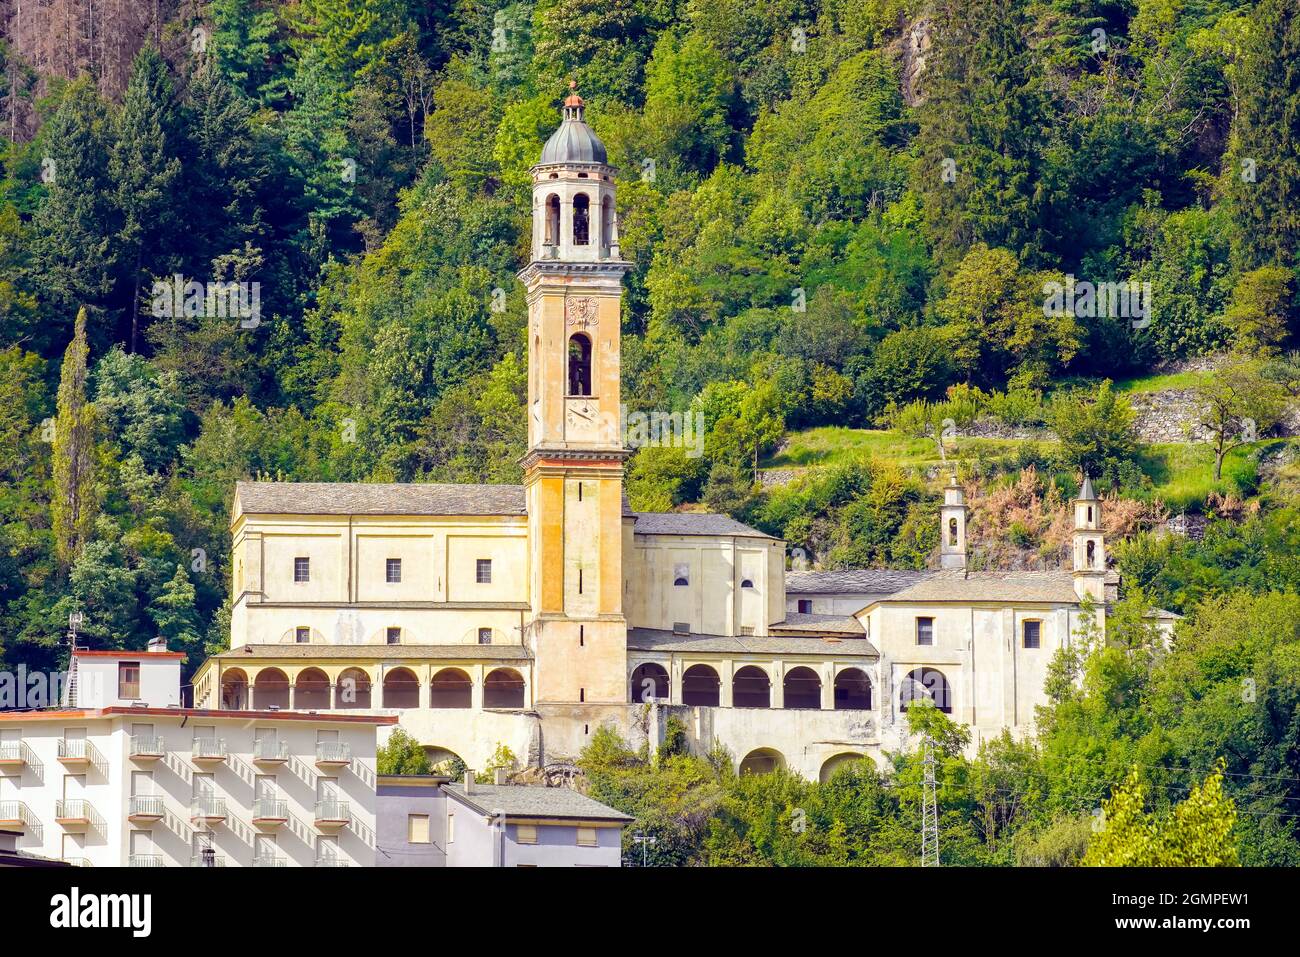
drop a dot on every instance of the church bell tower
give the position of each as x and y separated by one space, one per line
573 469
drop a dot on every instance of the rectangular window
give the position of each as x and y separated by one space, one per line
525 833
485 636
586 837
805 606
302 569
417 829
393 571
451 827
128 680
394 636
925 631
302 635
1033 632
483 571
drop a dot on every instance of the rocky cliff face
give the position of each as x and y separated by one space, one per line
915 44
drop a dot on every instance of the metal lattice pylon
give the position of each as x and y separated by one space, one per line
929 809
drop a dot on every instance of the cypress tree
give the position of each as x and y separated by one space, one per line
75 500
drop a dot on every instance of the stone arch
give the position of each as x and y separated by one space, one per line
762 761
551 236
311 690
445 761
271 690
751 688
926 683
401 689
354 690
503 688
837 761
701 687
451 688
581 219
649 680
234 690
802 688
852 690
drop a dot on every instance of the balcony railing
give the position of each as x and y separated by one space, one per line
333 755
16 754
270 860
145 807
270 811
208 809
270 752
209 749
145 860
77 814
333 813
146 747
76 861
77 751
16 815
331 861
209 860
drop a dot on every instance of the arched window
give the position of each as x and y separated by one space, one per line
952 531
401 689
552 237
270 689
649 681
581 219
700 685
746 583
450 688
311 692
926 683
503 688
1092 554
353 690
579 364
607 237
751 688
852 690
803 689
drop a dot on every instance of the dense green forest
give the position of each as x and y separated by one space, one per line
843 218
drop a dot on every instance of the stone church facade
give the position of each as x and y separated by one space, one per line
528 616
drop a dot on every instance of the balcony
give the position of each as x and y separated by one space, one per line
146 748
207 860
16 816
333 814
77 815
15 755
269 812
145 808
270 752
76 861
270 860
145 860
77 753
332 756
208 810
331 861
208 751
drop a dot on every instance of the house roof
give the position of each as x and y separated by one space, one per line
654 639
525 801
692 523
853 581
377 498
1053 587
399 652
820 624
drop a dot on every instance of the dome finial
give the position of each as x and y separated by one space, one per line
573 103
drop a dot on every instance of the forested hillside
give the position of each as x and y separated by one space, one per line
840 213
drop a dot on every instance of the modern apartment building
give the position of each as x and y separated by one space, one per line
124 776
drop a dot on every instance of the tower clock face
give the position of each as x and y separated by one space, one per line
580 420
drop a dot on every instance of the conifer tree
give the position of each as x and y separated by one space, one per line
75 499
